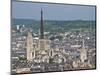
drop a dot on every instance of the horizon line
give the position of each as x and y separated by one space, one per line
58 19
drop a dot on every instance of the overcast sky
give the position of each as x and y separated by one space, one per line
28 10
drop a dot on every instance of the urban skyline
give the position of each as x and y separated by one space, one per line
57 46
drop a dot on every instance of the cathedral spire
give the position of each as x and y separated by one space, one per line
41 27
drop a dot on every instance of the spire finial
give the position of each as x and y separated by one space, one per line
41 27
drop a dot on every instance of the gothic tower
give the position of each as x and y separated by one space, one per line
29 46
83 52
43 43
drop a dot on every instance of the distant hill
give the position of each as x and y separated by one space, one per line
55 25
22 21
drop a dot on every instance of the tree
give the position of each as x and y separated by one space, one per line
22 58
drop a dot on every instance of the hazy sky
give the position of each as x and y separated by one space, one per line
28 10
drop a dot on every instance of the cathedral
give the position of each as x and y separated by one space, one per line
38 50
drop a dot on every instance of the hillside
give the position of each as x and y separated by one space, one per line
54 25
